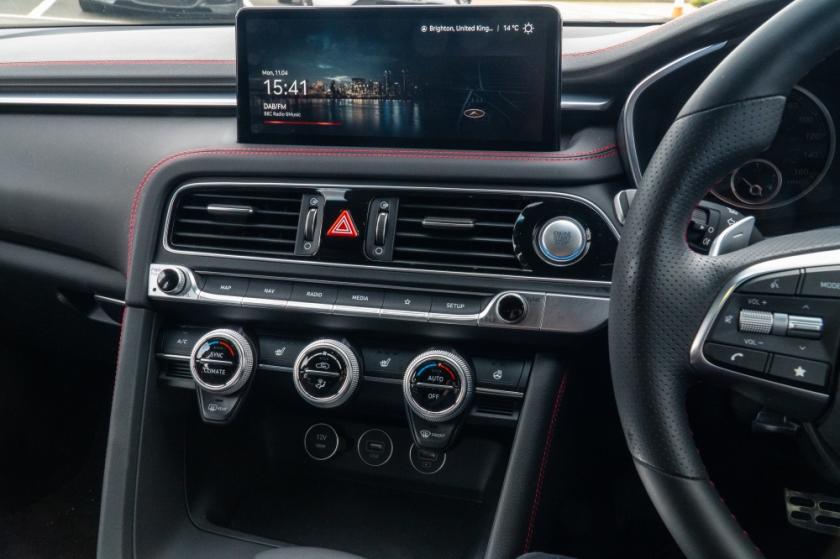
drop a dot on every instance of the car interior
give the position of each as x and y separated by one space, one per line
421 281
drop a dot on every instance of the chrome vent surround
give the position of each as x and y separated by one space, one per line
465 232
255 222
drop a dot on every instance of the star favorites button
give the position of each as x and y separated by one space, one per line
813 373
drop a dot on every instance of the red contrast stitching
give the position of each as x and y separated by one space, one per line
603 152
549 437
113 62
611 47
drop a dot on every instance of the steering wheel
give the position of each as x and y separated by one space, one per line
666 297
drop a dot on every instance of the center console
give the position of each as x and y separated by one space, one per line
358 349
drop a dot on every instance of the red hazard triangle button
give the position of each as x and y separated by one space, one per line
343 226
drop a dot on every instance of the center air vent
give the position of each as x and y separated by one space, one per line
255 222
461 232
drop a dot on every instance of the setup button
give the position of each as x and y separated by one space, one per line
736 358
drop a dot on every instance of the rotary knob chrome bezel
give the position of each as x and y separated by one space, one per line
351 377
461 368
243 371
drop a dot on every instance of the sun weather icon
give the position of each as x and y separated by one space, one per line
528 28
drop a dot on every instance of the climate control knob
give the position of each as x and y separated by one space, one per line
562 241
327 373
222 361
438 385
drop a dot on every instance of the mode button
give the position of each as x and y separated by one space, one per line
822 282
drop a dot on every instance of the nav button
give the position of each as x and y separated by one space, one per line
736 357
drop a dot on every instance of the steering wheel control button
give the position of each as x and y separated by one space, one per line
562 241
426 461
171 281
279 352
375 447
454 304
511 308
762 322
407 301
311 293
438 385
811 373
821 282
321 442
267 289
225 285
773 284
359 297
222 361
326 373
805 326
736 357
498 373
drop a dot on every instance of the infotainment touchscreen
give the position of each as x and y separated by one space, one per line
466 77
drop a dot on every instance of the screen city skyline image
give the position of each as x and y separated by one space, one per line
404 78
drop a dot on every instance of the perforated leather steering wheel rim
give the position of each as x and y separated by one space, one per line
662 290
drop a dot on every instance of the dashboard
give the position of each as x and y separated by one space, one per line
792 185
320 321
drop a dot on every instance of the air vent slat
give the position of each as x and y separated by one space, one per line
457 253
219 223
473 239
460 232
269 229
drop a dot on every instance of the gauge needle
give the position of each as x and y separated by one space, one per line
755 189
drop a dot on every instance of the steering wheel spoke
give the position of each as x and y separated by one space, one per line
773 333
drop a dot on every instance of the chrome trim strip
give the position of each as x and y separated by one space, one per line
698 359
585 310
111 300
197 184
275 368
629 152
173 357
572 102
207 101
134 100
499 392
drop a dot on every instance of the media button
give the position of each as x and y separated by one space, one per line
312 293
407 301
359 297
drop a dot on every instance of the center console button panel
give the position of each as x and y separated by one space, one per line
523 310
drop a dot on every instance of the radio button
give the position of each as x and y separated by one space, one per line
366 298
226 285
274 290
312 293
407 301
454 304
